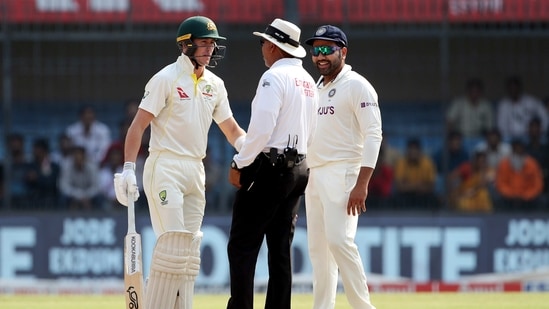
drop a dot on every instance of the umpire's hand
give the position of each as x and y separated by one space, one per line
234 175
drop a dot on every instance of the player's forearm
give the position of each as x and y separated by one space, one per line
132 145
233 132
237 138
134 135
364 177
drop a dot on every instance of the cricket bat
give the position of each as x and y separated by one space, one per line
133 262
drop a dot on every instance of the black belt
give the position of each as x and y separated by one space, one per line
282 161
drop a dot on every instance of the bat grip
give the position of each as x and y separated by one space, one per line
131 213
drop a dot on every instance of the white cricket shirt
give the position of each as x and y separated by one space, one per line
283 111
349 122
184 108
514 117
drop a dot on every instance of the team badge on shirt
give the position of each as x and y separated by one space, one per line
163 197
207 90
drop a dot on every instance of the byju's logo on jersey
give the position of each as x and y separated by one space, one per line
326 110
182 94
366 104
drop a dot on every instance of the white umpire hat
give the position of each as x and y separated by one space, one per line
285 35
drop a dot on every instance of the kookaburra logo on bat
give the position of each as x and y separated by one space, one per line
134 301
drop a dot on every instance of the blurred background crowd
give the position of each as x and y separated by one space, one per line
463 91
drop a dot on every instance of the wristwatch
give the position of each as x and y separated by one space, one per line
234 166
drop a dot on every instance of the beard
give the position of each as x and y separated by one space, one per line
328 67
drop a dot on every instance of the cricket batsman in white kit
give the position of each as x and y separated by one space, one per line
180 103
342 157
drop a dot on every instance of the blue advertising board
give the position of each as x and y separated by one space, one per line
419 248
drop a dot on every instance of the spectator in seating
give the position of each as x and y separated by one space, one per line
113 163
42 177
496 149
414 181
63 151
452 154
380 187
447 158
519 181
19 164
470 191
79 182
90 133
471 114
538 148
390 154
515 111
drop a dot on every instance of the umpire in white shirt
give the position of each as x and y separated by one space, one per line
270 170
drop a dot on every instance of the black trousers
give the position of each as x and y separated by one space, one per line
265 207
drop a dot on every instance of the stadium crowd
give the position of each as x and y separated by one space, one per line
494 157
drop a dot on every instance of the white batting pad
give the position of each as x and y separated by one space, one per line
171 263
186 291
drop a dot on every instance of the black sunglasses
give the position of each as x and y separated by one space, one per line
261 42
325 50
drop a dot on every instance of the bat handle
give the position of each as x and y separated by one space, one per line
131 213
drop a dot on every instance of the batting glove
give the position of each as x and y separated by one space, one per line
125 184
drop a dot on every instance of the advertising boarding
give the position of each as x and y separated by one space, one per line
411 248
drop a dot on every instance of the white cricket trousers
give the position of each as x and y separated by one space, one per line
175 190
331 233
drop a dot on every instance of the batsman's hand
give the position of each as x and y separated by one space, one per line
125 184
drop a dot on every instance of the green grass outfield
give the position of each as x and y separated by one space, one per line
300 301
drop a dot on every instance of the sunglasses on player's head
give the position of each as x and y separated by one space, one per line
325 50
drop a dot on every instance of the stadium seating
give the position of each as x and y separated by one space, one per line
401 120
